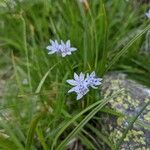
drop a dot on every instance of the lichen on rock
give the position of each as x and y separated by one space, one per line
129 103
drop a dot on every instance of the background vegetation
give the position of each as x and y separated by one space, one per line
36 112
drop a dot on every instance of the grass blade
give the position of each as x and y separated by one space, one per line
84 121
124 50
41 138
32 129
101 136
44 78
87 142
12 135
6 144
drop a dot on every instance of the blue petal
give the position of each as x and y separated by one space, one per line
92 74
63 54
82 76
76 77
48 47
73 49
68 43
72 90
72 82
79 96
94 87
68 53
51 52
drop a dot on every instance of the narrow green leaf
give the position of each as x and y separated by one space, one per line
87 142
125 49
103 37
24 37
32 129
44 78
101 136
6 144
10 42
41 138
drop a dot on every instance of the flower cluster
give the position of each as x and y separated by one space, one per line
63 48
148 14
82 83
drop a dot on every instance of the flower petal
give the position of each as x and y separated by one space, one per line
72 90
97 82
73 49
72 82
68 53
62 44
99 79
56 43
76 77
79 96
94 87
87 90
68 43
82 76
52 42
51 52
63 54
92 74
87 75
49 47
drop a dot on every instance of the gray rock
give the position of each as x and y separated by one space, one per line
129 103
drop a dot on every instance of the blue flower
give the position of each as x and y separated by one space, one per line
80 89
82 84
54 47
148 14
66 49
63 49
92 81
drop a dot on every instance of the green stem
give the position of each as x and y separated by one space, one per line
26 51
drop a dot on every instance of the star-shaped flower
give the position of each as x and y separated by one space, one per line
77 79
80 85
66 49
53 48
63 48
92 80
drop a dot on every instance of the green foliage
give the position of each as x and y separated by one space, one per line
108 36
